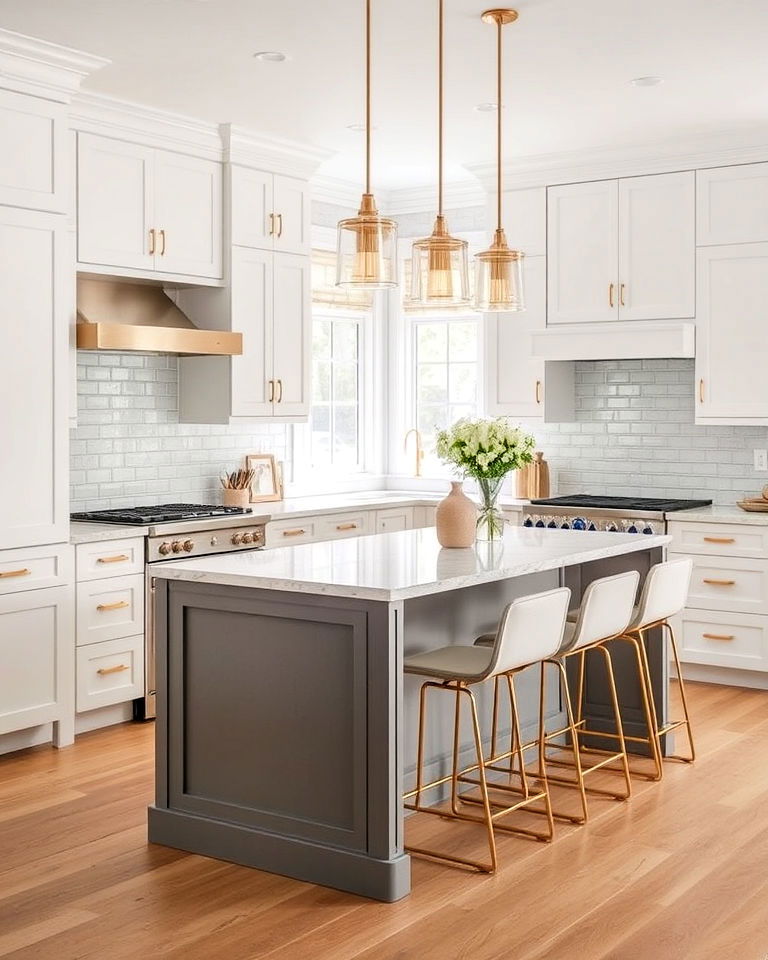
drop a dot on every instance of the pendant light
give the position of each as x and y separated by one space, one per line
367 244
499 277
439 271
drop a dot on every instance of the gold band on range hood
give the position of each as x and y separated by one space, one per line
125 316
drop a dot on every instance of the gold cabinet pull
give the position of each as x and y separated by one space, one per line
162 243
103 671
271 391
610 294
271 225
346 526
23 572
294 533
719 583
719 540
152 241
279 225
538 391
701 391
279 391
117 605
718 636
118 558
621 294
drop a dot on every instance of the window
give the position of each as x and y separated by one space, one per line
335 419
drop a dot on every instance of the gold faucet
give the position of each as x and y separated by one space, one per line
419 450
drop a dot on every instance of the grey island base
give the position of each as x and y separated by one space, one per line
286 730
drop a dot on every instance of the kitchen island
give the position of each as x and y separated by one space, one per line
286 732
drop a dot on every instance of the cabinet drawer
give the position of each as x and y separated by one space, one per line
737 584
719 539
110 558
110 672
33 568
396 518
284 533
723 639
108 609
342 525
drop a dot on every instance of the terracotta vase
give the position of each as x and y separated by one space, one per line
456 519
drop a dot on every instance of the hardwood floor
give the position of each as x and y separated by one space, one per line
678 873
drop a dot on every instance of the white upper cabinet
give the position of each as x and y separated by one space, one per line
582 252
34 506
33 170
291 335
524 219
517 385
270 211
657 247
622 250
252 298
731 340
148 210
732 204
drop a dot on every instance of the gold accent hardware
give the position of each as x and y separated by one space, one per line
419 450
279 225
124 336
271 225
621 294
701 391
162 238
610 294
719 583
152 241
719 540
279 398
271 391
538 391
718 636
103 671
117 605
118 558
499 15
294 533
15 573
346 526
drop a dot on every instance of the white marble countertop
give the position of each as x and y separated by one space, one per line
719 514
81 532
408 563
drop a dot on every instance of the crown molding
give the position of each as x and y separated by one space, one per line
243 146
720 148
341 193
44 69
456 195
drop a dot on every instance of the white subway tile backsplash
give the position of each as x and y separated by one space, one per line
129 446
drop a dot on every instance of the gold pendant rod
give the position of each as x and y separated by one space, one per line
368 96
440 111
498 125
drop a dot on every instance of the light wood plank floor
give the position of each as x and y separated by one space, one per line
678 873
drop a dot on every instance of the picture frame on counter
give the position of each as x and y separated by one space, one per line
265 486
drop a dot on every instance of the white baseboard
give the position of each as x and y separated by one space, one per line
22 739
103 717
727 676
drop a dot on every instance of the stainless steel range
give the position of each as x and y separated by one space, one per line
619 514
178 531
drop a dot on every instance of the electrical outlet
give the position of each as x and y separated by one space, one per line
761 460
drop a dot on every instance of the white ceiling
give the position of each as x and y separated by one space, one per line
568 63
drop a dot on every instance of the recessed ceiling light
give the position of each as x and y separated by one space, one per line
273 56
646 81
487 107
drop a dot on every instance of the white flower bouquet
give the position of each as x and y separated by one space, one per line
487 450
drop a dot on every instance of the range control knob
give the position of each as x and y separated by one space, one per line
164 549
188 545
237 539
248 537
176 546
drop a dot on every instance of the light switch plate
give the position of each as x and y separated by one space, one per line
761 460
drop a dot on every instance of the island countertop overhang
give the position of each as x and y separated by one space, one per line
396 566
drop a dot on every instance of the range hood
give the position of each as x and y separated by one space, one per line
119 315
615 340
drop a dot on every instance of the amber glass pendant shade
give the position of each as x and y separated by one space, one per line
366 252
439 269
499 277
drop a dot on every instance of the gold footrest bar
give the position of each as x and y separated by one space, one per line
464 861
585 770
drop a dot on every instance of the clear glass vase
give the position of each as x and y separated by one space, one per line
490 520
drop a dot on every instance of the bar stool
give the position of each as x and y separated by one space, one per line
531 629
605 614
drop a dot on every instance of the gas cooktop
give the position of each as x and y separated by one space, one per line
160 513
631 505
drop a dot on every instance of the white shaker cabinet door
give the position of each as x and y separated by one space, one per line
33 373
188 212
115 203
582 252
657 247
732 204
292 332
253 222
291 212
731 338
252 377
33 163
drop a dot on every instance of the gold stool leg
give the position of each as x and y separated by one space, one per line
495 721
456 747
683 698
648 707
542 757
420 750
619 726
574 731
517 739
488 814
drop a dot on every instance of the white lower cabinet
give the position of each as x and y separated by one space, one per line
109 609
350 523
715 639
37 661
395 518
342 525
110 672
